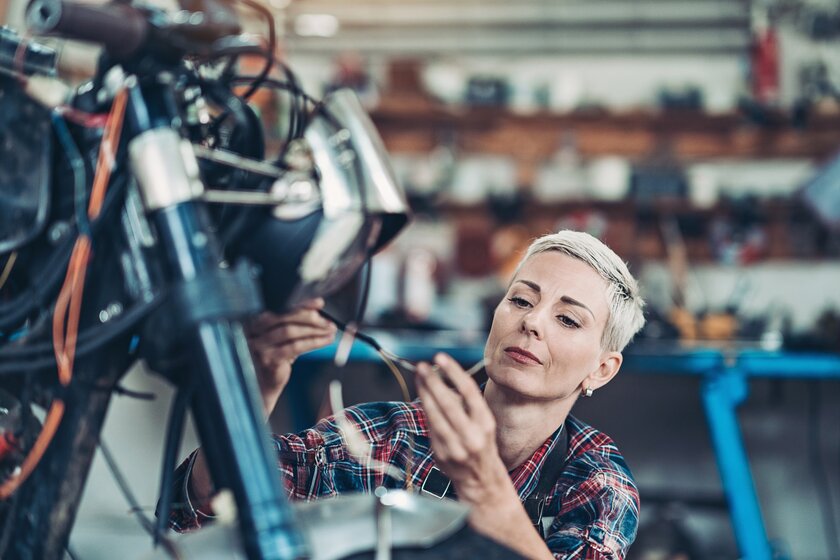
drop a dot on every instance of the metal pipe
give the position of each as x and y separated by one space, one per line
226 402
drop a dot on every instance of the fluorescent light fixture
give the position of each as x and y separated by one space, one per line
316 25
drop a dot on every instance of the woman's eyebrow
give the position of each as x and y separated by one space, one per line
565 299
572 301
533 285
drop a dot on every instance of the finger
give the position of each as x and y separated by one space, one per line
476 426
450 401
315 303
466 387
267 321
445 442
291 333
294 349
256 323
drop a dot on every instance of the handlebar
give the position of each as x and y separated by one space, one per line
34 59
120 28
126 31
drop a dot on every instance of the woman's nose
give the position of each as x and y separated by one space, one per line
530 325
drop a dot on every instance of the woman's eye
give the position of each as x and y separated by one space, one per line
519 302
568 321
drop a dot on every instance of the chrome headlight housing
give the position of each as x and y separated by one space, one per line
351 206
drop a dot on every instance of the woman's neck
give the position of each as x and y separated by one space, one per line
522 426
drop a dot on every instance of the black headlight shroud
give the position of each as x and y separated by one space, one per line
361 208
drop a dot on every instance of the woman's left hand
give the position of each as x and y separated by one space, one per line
462 431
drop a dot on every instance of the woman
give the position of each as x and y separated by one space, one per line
569 311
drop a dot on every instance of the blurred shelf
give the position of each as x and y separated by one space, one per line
413 124
634 228
417 126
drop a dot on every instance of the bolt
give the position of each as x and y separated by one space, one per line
346 158
340 137
57 232
112 310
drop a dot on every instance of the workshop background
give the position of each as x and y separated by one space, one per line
698 138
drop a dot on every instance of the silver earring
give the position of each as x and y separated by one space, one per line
588 392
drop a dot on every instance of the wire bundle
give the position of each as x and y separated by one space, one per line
68 305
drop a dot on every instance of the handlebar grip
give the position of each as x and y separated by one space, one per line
120 28
35 59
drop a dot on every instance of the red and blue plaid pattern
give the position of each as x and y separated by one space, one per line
595 503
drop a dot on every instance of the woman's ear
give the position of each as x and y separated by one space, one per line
609 366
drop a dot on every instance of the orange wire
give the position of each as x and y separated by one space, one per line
69 303
54 415
105 163
74 284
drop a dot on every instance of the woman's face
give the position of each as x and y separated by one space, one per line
545 342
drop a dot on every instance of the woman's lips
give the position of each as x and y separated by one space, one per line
522 356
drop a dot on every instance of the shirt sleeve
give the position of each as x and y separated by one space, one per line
187 514
597 519
311 464
298 469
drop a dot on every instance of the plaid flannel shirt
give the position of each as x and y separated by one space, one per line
595 503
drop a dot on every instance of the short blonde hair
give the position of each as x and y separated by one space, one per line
626 306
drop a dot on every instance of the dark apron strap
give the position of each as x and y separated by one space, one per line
550 472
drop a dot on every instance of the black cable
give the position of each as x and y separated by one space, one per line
297 113
301 96
269 60
295 118
272 44
16 310
819 473
77 166
118 390
121 391
11 514
235 221
129 496
91 338
92 341
366 338
174 432
276 84
229 68
297 103
88 336
320 109
13 312
361 308
232 103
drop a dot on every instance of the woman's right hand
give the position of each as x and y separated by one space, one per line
276 340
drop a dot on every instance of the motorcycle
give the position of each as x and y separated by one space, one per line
141 218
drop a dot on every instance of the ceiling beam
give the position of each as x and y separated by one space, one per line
478 13
527 41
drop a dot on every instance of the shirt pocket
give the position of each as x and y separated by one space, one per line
311 471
